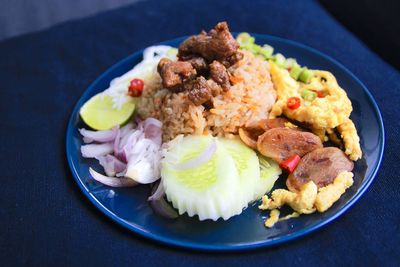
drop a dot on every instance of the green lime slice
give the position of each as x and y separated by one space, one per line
99 113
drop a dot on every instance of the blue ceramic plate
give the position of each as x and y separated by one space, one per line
129 208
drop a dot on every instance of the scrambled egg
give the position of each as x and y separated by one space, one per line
331 193
350 138
322 114
308 199
273 218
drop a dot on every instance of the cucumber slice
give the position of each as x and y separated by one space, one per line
247 164
269 173
208 190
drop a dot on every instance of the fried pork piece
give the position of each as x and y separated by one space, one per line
175 73
199 92
217 44
199 64
220 75
321 166
281 143
236 57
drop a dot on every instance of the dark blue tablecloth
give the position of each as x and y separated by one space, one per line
46 220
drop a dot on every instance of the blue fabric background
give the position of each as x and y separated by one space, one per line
44 218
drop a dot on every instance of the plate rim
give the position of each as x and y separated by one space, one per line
235 247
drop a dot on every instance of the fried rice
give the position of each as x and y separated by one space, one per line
249 100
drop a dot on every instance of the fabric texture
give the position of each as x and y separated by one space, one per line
47 221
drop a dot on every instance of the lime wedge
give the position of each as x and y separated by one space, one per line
99 113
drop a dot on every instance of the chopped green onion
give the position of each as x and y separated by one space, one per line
266 51
290 62
306 75
295 72
255 48
279 60
245 40
308 95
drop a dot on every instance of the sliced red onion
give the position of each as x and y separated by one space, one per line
116 144
111 164
163 208
152 121
152 130
157 192
96 150
112 181
128 152
202 158
124 130
159 204
99 136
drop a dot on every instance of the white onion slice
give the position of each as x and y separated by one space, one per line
96 150
99 136
112 181
202 158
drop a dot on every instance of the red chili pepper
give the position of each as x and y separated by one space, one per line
320 94
293 102
136 87
290 163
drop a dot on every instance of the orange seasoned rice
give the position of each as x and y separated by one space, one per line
249 100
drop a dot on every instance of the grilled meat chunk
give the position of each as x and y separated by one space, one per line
219 74
217 44
199 92
175 73
199 64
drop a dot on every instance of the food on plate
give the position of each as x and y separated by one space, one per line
321 166
309 198
100 113
321 104
214 177
282 143
212 124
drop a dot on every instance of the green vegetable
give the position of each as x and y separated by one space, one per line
295 72
209 190
290 62
245 40
254 48
267 51
233 177
269 173
246 162
308 95
306 75
279 60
